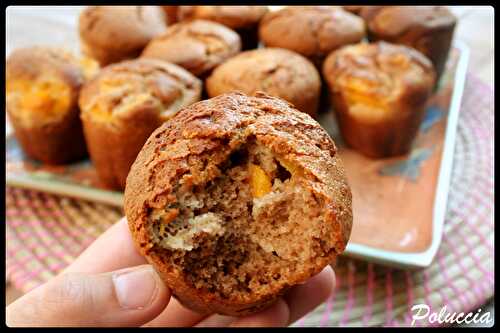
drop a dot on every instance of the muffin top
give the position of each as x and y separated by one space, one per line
124 89
43 83
234 17
197 45
391 21
123 29
379 73
312 31
275 71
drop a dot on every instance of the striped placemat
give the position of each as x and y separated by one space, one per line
461 276
46 232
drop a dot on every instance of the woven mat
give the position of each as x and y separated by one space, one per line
46 232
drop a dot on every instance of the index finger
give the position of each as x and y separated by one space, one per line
113 250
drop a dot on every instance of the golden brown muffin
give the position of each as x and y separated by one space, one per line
124 104
114 33
379 92
428 29
313 31
171 14
197 45
242 19
278 72
236 199
42 88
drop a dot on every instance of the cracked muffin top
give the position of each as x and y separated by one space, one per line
234 17
236 199
113 33
371 76
141 85
197 45
313 31
391 21
43 83
429 29
278 72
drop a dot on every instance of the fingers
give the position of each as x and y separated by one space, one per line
114 249
176 315
276 315
129 297
304 298
217 320
299 301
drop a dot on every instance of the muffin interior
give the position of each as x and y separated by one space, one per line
46 96
252 229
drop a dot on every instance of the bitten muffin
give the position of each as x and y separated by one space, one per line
197 45
42 88
171 14
124 104
242 19
429 29
313 31
114 33
379 92
278 72
236 199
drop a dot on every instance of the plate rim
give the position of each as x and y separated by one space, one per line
424 258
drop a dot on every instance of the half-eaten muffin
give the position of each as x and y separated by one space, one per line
236 199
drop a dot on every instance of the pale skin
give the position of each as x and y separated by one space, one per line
110 284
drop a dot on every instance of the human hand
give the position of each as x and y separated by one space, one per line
111 284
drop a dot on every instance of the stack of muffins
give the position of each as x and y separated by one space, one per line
142 64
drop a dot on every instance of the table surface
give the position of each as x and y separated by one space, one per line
475 28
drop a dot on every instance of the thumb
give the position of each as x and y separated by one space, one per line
127 297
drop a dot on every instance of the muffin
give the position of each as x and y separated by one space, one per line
429 29
113 33
236 199
313 31
275 71
42 88
170 13
379 93
242 19
197 45
122 106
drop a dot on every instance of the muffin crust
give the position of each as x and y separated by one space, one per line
243 19
113 33
197 45
42 88
379 92
278 72
124 104
313 31
429 29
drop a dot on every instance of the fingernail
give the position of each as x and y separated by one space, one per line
136 289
